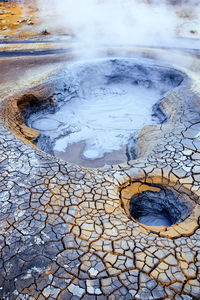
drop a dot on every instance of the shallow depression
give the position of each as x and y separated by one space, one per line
104 105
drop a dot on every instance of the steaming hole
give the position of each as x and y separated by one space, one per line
101 108
161 208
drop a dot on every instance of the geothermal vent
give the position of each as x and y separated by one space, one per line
95 119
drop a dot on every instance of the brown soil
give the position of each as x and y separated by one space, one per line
18 21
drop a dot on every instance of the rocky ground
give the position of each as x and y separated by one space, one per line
65 231
17 20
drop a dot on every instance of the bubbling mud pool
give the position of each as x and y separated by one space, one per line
106 101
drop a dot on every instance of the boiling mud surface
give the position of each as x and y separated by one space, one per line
105 119
105 105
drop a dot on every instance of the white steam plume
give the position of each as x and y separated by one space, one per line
98 22
95 23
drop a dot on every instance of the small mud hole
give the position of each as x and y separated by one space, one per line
162 208
154 201
104 103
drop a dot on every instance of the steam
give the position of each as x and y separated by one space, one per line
97 23
102 22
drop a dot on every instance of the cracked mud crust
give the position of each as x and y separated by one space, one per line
66 232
